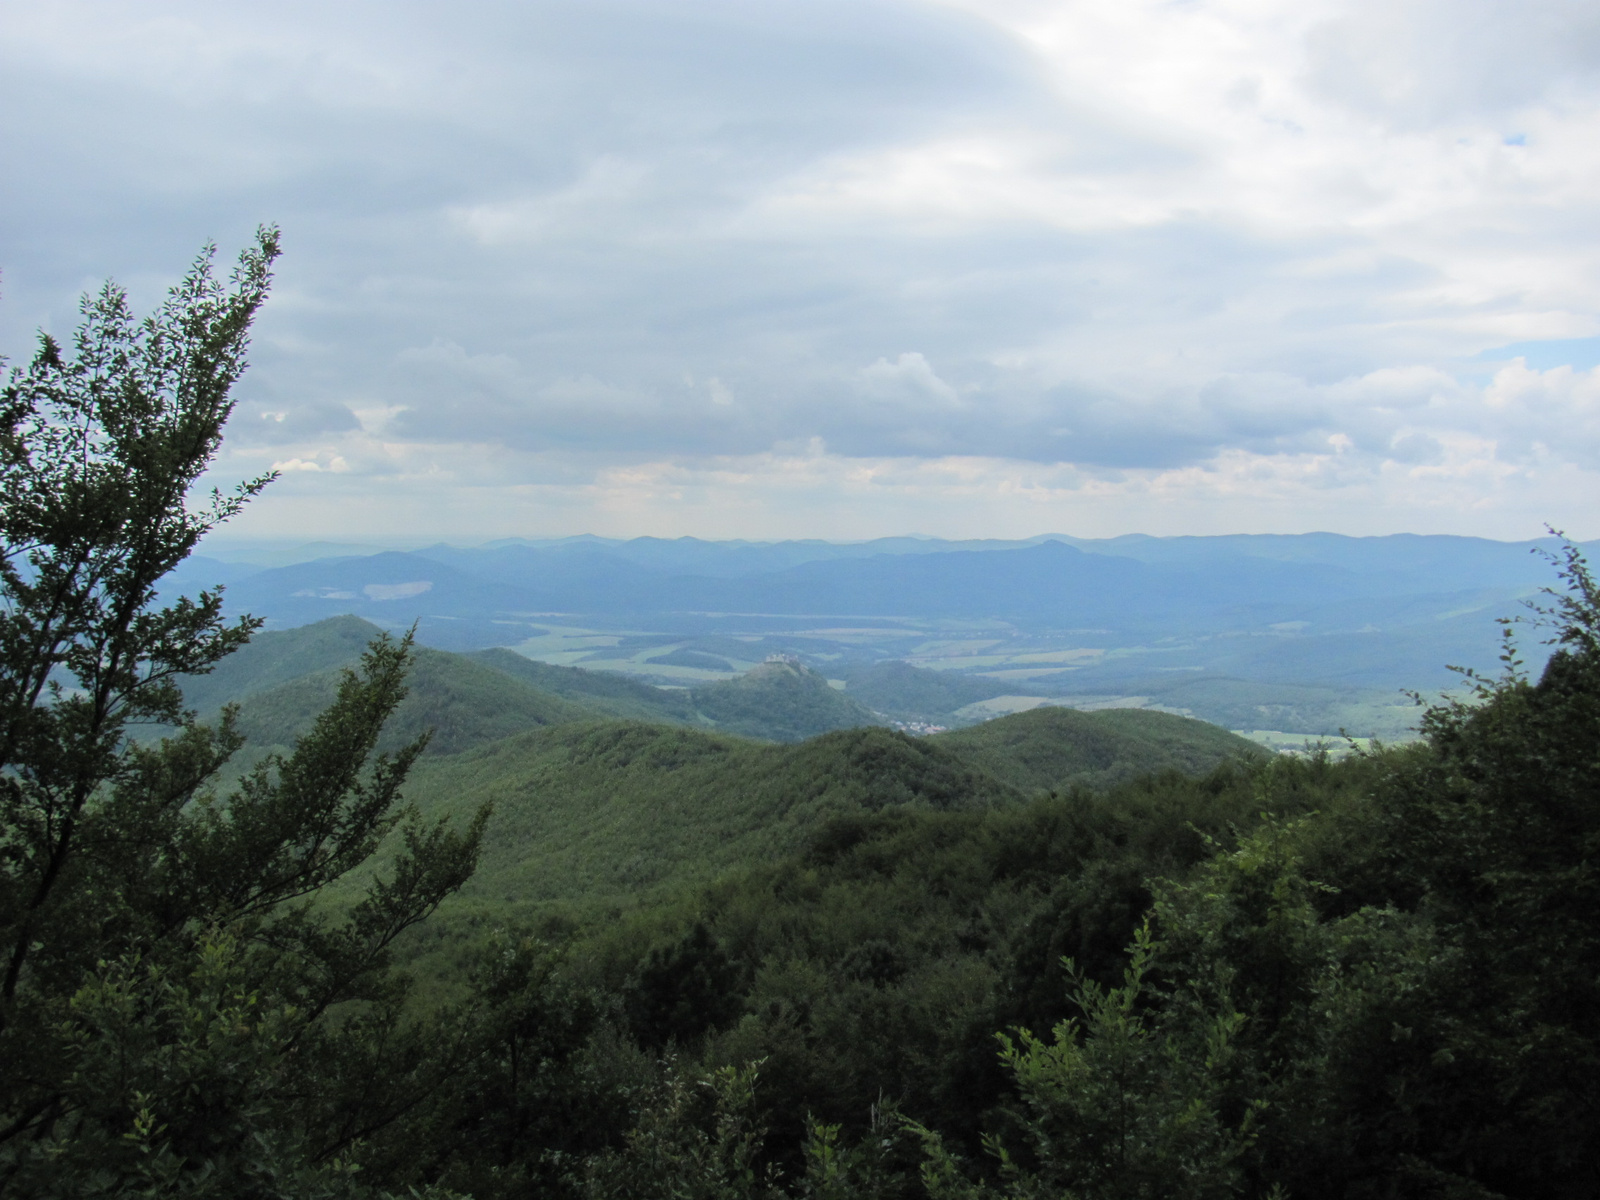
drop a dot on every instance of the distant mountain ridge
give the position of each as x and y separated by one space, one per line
1138 577
1425 561
1051 581
1213 626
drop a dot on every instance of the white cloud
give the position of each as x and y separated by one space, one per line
804 493
601 194
288 466
910 375
1216 255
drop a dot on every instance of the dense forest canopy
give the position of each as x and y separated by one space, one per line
1045 956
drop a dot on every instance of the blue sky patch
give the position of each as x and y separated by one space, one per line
1581 354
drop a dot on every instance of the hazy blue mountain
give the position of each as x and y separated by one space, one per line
199 572
1050 584
1317 610
568 577
695 556
1394 563
1123 583
389 589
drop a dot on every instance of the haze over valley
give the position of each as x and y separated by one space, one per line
1278 637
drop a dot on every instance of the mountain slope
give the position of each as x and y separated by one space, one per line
780 700
602 691
596 810
599 812
284 678
464 703
271 659
1054 748
898 689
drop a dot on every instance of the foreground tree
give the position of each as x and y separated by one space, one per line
1419 972
180 1007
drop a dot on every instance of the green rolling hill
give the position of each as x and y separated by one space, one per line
607 789
463 702
283 656
1052 748
908 693
602 691
281 679
605 811
783 701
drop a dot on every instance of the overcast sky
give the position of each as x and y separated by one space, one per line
846 268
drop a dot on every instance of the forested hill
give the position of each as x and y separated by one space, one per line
608 811
601 810
1054 748
604 786
601 691
281 678
782 700
458 702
